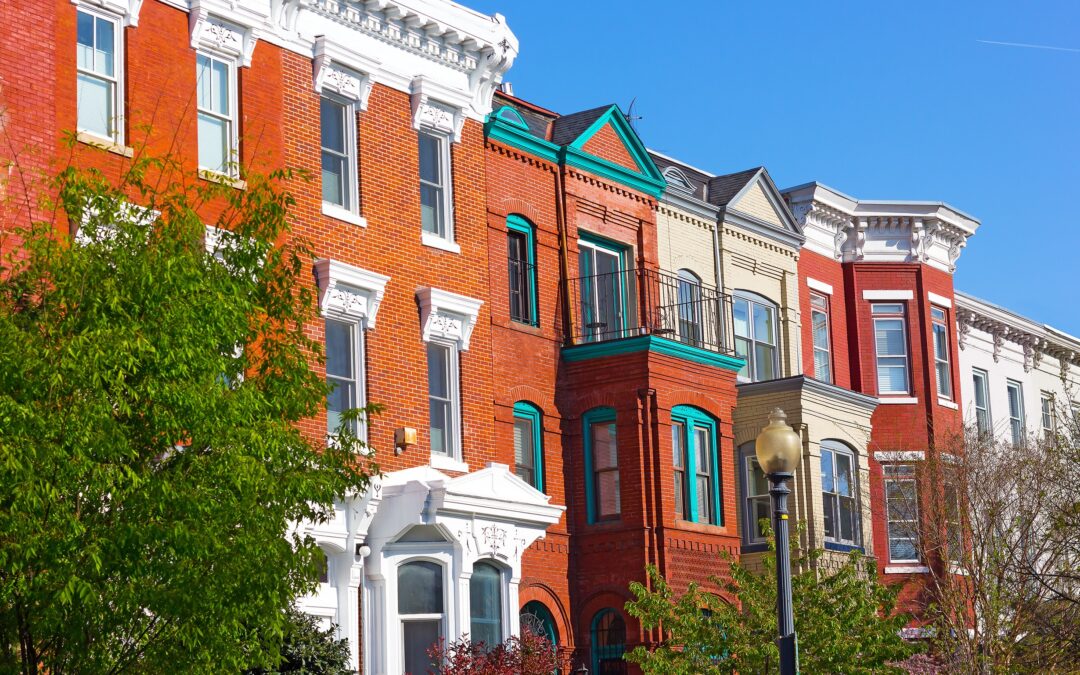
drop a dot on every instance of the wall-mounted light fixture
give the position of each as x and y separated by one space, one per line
404 438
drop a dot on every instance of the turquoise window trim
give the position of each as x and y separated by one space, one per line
520 224
595 416
605 654
510 116
692 418
527 411
660 345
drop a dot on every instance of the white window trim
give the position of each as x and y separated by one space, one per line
446 243
116 142
359 375
888 399
888 534
127 10
395 556
939 300
888 295
752 536
1045 396
985 376
897 396
232 154
837 449
453 459
814 347
907 569
934 323
752 299
1009 384
352 186
819 286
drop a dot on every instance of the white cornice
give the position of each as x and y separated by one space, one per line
349 292
851 230
464 51
1035 339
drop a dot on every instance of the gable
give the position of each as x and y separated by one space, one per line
606 144
754 202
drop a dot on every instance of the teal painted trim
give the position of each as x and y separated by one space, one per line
499 130
606 652
594 416
630 141
653 343
693 418
601 167
527 411
518 223
510 116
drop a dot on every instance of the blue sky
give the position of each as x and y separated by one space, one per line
895 100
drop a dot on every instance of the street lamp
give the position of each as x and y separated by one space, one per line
778 450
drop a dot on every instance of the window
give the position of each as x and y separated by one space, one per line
435 203
601 465
528 444
485 605
688 294
758 501
608 643
99 67
755 337
537 619
337 124
982 400
693 441
819 322
1046 403
1016 411
839 493
938 320
902 512
420 608
521 254
343 373
954 534
890 342
442 363
603 289
217 113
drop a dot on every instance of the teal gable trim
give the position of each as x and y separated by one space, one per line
647 179
651 343
527 411
693 418
590 418
518 223
515 134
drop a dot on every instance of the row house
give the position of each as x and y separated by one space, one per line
1019 379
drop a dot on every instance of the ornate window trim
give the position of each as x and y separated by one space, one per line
447 316
221 37
348 292
126 9
341 71
437 108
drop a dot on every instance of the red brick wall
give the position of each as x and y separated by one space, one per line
606 144
816 266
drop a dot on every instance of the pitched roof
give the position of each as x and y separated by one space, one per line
566 129
723 188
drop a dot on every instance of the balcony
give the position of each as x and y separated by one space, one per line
637 302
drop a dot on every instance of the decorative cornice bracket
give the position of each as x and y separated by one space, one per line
349 292
342 71
217 35
448 316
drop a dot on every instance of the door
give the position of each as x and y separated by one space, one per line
603 291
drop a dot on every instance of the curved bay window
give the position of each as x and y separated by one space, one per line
485 603
756 336
420 608
688 295
608 643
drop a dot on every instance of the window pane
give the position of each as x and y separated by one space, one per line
742 350
431 209
843 474
892 375
485 599
878 308
762 511
439 426
822 366
213 143
829 512
419 637
333 179
889 336
95 105
820 323
221 87
605 451
900 500
105 54
980 390
941 343
420 588
764 362
847 518
704 500
429 159
944 386
339 357
763 324
205 81
85 40
524 455
703 450
902 548
332 125
341 397
741 316
437 357
827 470
759 484
677 431
607 485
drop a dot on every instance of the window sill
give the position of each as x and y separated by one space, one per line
756 547
344 215
106 144
444 463
216 177
691 526
907 569
843 548
897 400
434 241
946 403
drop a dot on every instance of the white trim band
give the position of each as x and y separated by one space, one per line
897 400
888 295
819 286
899 455
939 300
907 569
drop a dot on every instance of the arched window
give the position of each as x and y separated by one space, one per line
697 466
608 643
839 494
537 619
521 254
689 307
602 490
485 602
420 609
529 444
756 336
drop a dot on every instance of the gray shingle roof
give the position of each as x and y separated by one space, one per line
567 128
723 188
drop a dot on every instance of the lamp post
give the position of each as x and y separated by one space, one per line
778 450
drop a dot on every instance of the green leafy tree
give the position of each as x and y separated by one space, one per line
844 618
308 649
150 458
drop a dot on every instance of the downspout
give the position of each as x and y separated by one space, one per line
718 261
564 248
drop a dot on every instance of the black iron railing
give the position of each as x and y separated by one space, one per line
629 303
522 291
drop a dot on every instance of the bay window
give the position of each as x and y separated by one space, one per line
695 461
756 493
528 444
602 465
890 344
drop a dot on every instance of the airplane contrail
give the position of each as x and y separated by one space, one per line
1022 44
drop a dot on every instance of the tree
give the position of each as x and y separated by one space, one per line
1002 583
529 654
308 649
844 618
151 462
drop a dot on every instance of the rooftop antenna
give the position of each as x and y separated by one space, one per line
630 116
